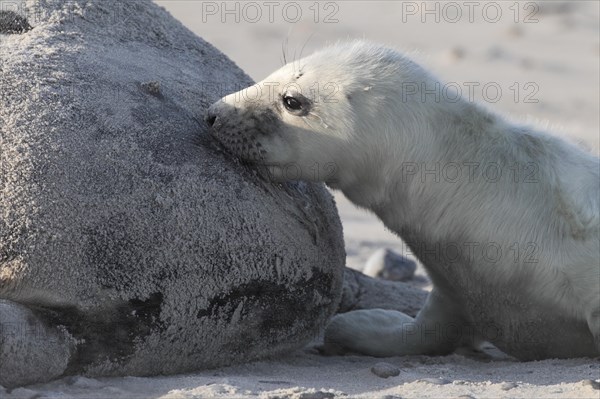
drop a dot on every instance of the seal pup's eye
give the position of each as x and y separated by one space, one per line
296 105
292 104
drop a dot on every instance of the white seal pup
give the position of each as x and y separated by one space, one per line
505 218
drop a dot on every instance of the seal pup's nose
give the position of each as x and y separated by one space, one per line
210 117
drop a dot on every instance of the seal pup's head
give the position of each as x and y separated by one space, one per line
317 118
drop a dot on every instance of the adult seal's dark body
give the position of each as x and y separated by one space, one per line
129 244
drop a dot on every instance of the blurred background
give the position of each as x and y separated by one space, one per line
534 62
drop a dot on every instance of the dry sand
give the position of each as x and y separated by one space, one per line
554 63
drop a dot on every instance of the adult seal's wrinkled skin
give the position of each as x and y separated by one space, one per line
129 244
362 118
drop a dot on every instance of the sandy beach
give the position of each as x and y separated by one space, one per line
532 62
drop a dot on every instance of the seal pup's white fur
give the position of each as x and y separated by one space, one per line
455 181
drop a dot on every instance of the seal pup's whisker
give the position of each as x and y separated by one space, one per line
284 50
302 51
285 44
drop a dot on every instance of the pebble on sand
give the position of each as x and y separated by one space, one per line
507 386
591 383
389 265
454 54
435 381
316 395
385 370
